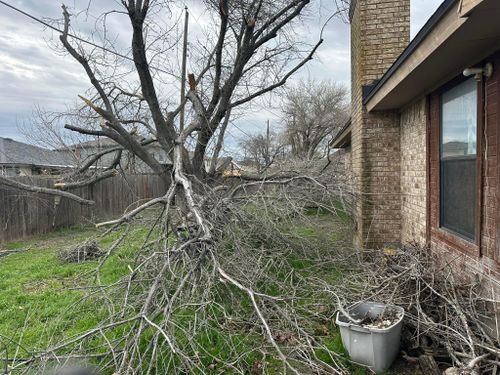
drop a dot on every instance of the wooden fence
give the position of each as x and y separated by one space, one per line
25 214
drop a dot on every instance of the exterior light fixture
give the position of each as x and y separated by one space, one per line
478 73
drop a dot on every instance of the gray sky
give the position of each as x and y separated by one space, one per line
32 74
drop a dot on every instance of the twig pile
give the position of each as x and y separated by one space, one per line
446 317
244 283
224 288
86 251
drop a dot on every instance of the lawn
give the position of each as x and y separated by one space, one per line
42 300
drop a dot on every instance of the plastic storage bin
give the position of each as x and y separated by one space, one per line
374 347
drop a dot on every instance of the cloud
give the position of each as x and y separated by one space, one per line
34 73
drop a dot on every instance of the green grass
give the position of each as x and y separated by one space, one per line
40 299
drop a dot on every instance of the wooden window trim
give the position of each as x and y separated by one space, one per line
479 163
437 232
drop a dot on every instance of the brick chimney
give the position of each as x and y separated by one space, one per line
380 31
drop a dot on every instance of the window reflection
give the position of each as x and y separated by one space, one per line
458 159
459 120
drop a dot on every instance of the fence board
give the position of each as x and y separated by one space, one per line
24 214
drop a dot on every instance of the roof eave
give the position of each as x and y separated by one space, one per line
343 138
407 53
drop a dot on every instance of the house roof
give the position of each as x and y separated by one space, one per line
424 31
343 137
18 153
101 143
460 34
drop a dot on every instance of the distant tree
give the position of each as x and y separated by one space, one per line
314 111
263 149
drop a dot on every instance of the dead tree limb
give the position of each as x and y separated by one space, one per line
43 190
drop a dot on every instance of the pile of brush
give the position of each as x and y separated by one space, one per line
83 252
450 319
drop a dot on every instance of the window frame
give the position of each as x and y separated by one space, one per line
447 232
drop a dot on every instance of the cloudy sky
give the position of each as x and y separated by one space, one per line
34 74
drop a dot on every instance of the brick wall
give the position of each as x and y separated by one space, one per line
395 163
380 30
477 262
413 126
490 216
357 113
381 179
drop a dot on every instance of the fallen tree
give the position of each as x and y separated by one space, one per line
245 289
184 266
264 294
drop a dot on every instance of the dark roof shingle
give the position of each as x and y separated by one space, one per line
14 152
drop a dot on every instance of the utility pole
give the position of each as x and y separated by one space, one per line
183 74
268 146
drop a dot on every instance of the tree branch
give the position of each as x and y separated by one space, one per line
281 82
94 179
43 190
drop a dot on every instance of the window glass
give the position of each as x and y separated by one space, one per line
459 115
458 160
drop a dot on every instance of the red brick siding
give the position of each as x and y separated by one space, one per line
490 182
482 255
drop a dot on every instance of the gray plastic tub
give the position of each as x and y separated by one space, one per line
373 347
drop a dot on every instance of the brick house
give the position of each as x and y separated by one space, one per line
422 139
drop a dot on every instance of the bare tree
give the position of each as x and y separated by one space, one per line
242 48
251 49
314 111
263 149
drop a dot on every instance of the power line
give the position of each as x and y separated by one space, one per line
46 24
241 130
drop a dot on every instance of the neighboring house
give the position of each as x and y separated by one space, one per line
230 168
22 159
425 127
130 163
224 166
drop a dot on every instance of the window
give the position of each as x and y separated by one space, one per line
458 160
